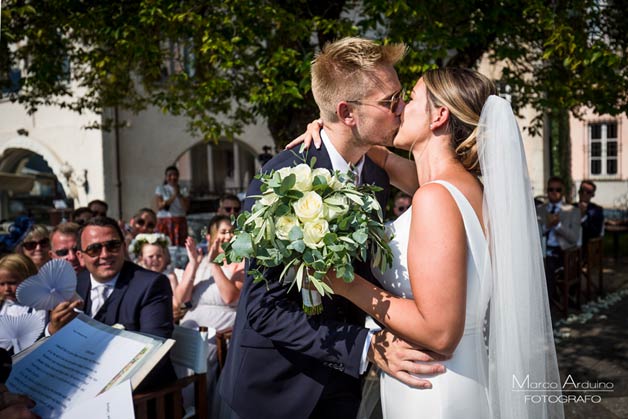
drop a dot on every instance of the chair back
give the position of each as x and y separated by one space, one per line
593 267
189 356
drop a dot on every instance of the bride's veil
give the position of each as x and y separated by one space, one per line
521 350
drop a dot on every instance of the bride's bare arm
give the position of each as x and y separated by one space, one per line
401 171
437 253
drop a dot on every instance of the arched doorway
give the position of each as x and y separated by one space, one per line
29 187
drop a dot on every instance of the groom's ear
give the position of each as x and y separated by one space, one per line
345 113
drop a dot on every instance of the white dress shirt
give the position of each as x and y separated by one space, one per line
94 295
339 163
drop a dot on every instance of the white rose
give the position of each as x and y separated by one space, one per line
321 171
268 198
303 172
284 172
309 207
335 206
284 224
313 233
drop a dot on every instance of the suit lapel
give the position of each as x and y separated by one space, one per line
83 288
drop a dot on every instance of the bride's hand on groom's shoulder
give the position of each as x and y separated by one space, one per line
400 359
311 135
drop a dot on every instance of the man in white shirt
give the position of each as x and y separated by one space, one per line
560 226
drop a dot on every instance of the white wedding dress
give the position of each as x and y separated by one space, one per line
460 392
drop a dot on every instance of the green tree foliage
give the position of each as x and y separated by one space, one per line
222 64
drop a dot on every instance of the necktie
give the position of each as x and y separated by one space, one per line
100 298
356 174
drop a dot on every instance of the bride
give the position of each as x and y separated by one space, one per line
468 278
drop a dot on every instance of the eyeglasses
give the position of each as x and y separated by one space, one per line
585 191
94 249
140 222
64 252
231 209
554 189
31 245
393 102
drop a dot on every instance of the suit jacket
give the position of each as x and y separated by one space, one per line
281 362
568 231
142 302
593 223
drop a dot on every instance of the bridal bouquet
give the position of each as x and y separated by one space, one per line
309 221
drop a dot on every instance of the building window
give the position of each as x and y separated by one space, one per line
603 149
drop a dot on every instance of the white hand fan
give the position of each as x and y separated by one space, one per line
55 283
21 331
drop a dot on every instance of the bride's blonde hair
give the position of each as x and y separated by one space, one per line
464 93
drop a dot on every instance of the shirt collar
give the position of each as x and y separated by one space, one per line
337 161
111 283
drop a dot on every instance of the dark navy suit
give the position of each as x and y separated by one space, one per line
142 302
593 225
282 363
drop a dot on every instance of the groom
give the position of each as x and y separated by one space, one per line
282 363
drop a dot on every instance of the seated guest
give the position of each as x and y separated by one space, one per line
401 204
14 269
151 252
98 208
229 204
63 241
591 214
212 289
117 291
560 226
81 215
36 245
143 222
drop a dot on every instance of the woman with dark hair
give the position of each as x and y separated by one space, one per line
212 290
172 206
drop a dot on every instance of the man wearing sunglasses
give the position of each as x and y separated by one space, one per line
115 291
560 226
591 214
228 205
63 240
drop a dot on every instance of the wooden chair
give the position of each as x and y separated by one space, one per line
568 280
593 267
222 345
190 353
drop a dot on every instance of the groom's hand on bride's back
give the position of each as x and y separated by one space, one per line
402 360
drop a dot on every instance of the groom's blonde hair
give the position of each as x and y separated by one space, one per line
345 70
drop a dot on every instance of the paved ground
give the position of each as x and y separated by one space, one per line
596 353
